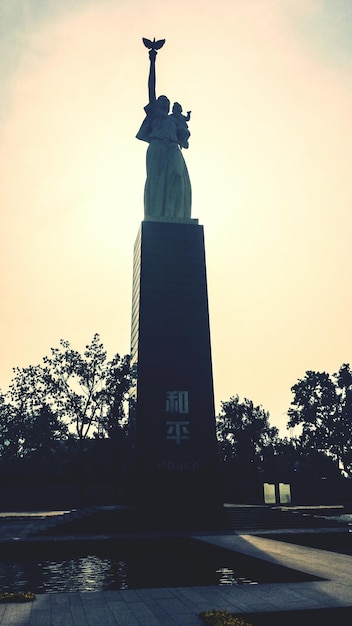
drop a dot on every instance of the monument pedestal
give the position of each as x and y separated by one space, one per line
173 419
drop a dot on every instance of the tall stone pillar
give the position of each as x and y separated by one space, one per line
173 419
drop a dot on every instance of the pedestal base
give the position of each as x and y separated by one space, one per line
173 420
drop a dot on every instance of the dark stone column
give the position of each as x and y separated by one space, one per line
174 420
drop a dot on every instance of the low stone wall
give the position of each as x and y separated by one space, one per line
26 496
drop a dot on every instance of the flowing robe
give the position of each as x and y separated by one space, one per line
167 190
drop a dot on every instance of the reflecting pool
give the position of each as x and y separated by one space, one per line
131 564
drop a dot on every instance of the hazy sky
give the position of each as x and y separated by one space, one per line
269 83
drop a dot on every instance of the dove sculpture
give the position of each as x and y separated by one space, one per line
153 45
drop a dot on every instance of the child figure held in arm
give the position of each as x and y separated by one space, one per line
183 133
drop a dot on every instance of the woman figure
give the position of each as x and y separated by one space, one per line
167 190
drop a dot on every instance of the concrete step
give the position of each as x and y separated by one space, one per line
252 518
90 521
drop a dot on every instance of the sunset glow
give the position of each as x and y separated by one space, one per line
269 83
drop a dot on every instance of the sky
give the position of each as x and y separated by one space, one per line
269 83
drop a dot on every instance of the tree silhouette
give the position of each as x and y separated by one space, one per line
69 395
322 406
87 391
246 441
243 430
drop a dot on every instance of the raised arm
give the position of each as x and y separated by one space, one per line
152 79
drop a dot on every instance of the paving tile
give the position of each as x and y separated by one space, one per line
113 596
287 597
99 615
60 610
77 610
197 595
129 595
237 601
173 606
164 618
90 598
74 599
188 620
40 617
17 615
41 610
202 600
144 594
96 609
323 595
61 616
123 614
187 599
144 614
338 594
161 593
207 597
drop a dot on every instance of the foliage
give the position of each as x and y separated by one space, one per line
22 432
85 392
88 391
222 618
67 398
18 596
243 430
322 406
6 427
246 443
312 474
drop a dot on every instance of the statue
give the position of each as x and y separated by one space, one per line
167 190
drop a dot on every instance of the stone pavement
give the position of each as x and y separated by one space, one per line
181 606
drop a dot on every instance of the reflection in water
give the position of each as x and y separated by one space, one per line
87 573
131 564
12 577
90 573
227 576
122 573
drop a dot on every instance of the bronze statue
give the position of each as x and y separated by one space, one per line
167 190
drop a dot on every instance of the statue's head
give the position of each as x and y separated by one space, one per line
163 104
177 108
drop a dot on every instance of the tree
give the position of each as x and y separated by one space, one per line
246 440
115 397
31 423
86 390
8 445
57 413
292 461
322 406
30 441
67 396
243 430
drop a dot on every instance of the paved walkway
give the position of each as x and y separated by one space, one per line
181 606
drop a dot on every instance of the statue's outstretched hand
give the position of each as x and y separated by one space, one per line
152 55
